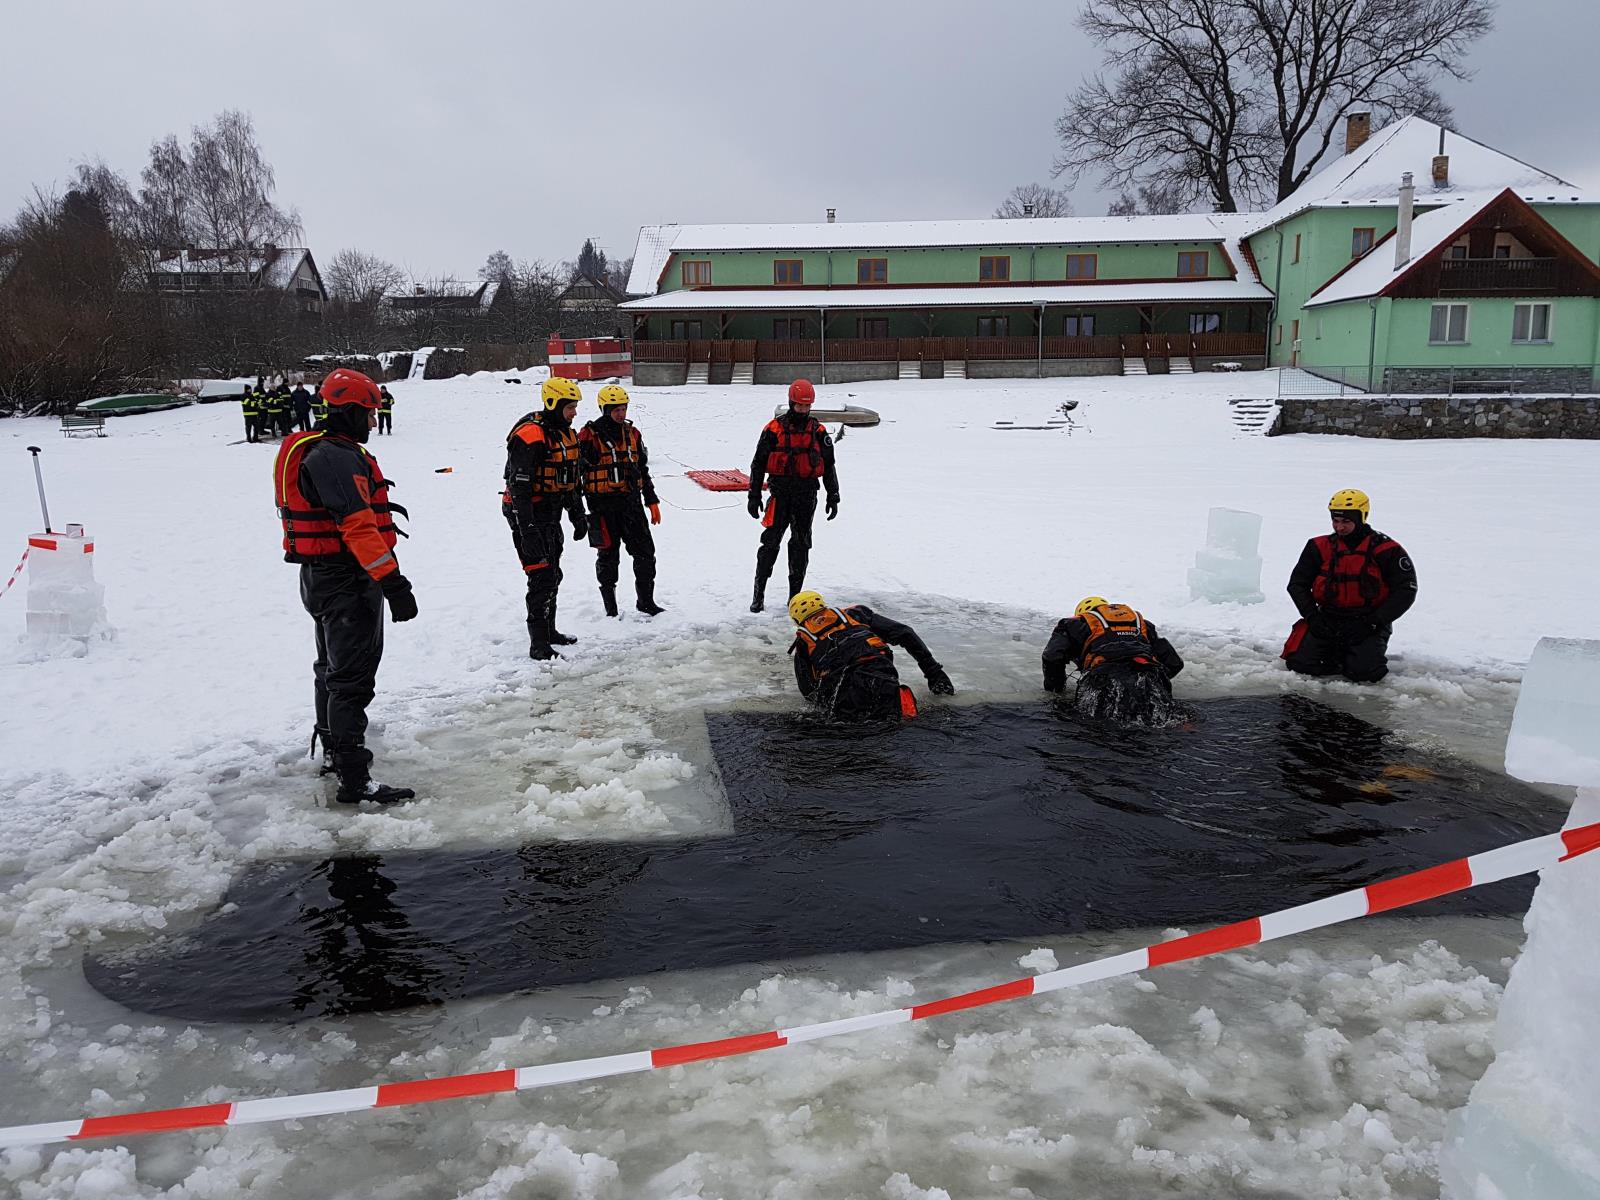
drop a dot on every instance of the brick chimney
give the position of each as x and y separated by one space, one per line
830 216
1441 170
1357 129
1402 229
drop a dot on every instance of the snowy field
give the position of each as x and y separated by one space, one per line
139 778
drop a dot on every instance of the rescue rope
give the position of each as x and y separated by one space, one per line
1519 858
21 562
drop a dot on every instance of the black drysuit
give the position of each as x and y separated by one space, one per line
1353 642
794 501
864 688
617 517
533 511
1135 684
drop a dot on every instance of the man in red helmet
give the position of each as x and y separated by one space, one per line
338 524
794 455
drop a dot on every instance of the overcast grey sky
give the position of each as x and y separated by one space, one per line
432 134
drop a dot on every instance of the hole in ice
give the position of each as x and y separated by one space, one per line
966 824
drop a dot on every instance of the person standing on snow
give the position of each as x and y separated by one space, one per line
542 479
1127 665
338 524
250 406
843 664
1349 587
300 400
795 456
385 411
616 480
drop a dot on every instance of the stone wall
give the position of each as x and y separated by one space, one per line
1440 416
1448 381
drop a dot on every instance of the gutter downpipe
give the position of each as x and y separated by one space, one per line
1041 341
1372 340
1277 291
822 314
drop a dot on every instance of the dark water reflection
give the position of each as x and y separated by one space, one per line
970 823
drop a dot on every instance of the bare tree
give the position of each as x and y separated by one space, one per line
231 186
358 277
498 267
1035 200
1223 103
617 273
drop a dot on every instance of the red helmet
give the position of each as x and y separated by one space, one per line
801 392
345 386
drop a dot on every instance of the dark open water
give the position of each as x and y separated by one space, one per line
967 824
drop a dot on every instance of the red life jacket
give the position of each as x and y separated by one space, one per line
798 454
616 471
558 474
1349 580
1117 633
309 531
835 640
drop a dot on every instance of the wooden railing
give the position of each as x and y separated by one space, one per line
660 352
1499 274
863 349
791 350
935 349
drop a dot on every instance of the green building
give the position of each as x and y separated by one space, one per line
1481 275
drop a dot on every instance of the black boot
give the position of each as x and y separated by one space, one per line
797 584
608 597
647 600
557 638
759 600
325 766
356 784
539 641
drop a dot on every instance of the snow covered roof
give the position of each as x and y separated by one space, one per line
455 294
277 266
1016 295
657 243
1430 231
1370 175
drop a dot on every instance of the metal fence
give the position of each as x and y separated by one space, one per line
1496 379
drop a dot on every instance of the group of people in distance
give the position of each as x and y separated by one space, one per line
277 412
338 525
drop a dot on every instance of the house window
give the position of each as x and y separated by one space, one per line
994 269
787 272
686 331
1458 251
1205 322
1448 325
1361 241
872 270
872 327
1079 325
1194 264
696 273
788 329
1083 266
994 326
1530 323
1296 257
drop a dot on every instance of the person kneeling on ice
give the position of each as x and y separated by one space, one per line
843 663
1349 586
1127 666
338 524
616 480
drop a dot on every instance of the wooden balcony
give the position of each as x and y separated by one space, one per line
1540 276
936 349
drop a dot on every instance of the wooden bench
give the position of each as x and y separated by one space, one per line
75 423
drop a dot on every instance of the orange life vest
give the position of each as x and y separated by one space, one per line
798 454
835 640
1117 633
1349 580
616 471
558 474
311 532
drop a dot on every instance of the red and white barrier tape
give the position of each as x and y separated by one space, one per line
21 562
1489 867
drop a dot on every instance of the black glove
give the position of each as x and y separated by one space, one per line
754 505
833 507
397 591
939 683
580 527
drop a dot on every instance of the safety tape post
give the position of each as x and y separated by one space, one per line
1506 862
21 562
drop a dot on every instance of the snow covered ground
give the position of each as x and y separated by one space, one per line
138 778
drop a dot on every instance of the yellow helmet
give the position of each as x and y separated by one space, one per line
1348 499
556 392
612 395
1088 603
805 604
